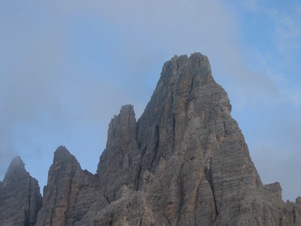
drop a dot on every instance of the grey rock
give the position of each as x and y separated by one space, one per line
195 165
69 194
20 198
184 162
120 162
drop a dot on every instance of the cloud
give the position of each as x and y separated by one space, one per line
6 151
69 66
277 153
72 63
182 28
287 32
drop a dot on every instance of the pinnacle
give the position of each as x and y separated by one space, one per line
196 66
127 110
127 107
17 162
15 169
62 154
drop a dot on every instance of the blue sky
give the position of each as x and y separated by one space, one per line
66 67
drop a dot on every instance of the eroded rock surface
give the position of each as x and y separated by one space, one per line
20 198
184 162
120 162
70 193
195 167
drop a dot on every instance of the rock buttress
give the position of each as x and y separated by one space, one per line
72 195
120 162
20 198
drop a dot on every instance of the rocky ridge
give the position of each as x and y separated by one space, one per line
184 162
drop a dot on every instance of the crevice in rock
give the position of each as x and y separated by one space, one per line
138 176
190 94
209 178
108 200
69 193
141 219
225 131
156 145
142 152
295 215
196 200
53 207
169 223
181 191
173 132
29 204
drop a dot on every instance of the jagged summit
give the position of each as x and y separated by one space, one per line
184 162
15 168
62 154
197 64
17 162
120 161
20 198
61 151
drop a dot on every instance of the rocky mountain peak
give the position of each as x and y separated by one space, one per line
20 198
197 66
62 154
119 162
17 162
15 169
67 183
122 125
186 99
184 162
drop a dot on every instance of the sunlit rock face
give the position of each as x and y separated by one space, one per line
183 162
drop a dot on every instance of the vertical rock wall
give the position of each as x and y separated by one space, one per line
20 198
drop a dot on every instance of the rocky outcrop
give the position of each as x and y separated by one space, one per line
120 162
70 193
184 162
20 198
194 164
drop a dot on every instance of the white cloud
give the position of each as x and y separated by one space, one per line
287 33
296 98
251 5
70 65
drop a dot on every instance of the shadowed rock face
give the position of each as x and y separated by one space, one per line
184 162
120 162
70 193
20 198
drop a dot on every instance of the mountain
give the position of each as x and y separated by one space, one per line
184 162
20 198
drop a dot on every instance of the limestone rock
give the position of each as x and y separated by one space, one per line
69 194
120 162
184 162
20 198
195 167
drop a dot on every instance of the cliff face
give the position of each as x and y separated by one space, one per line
70 193
20 198
184 162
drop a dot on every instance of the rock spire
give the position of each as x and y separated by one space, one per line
20 198
183 162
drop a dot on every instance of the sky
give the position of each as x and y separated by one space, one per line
66 68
